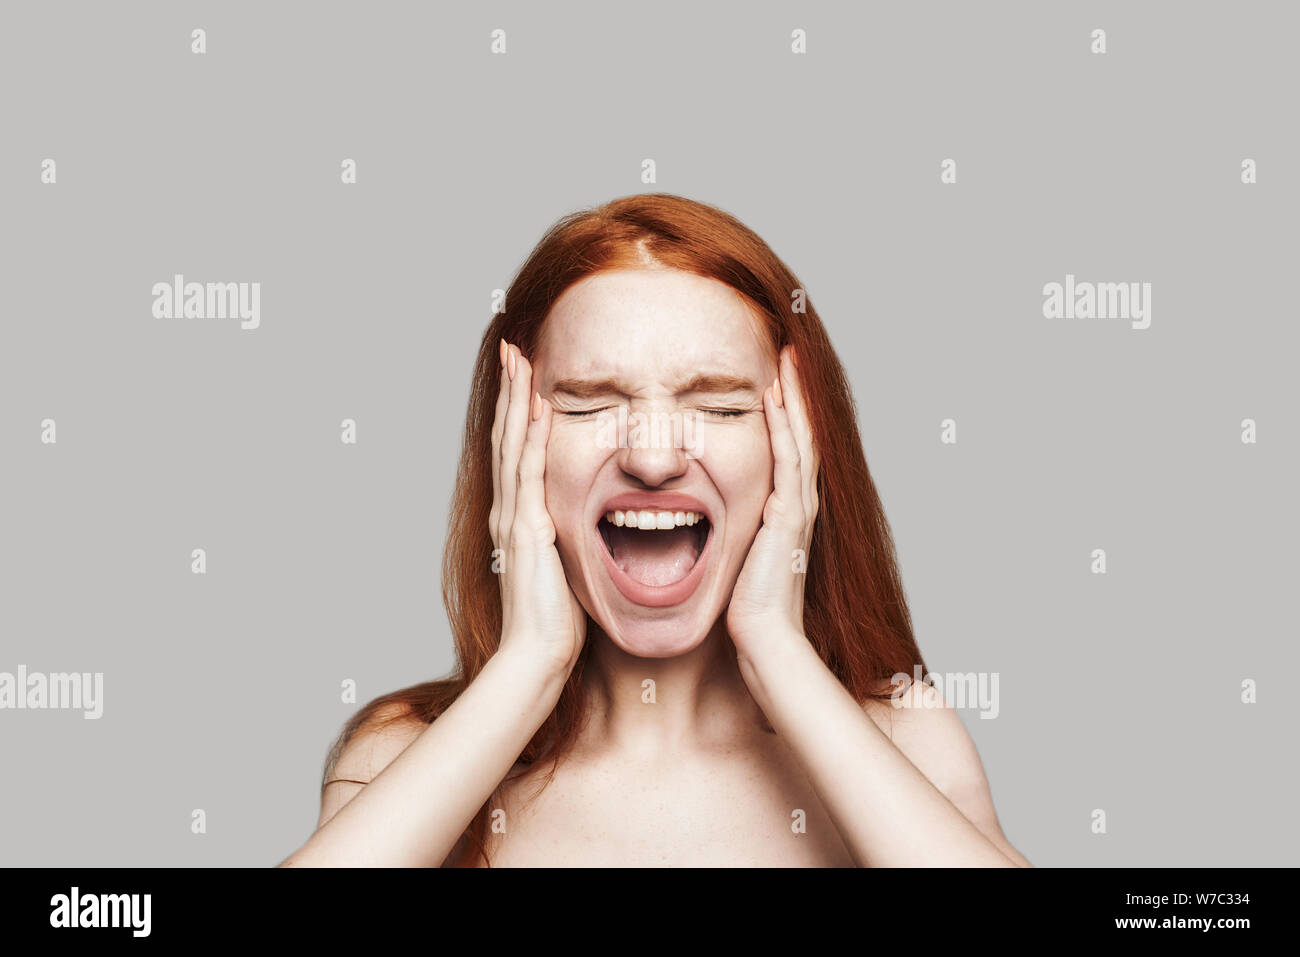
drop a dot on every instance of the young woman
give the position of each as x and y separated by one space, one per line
671 652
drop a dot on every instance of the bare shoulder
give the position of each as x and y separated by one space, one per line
931 735
373 747
934 738
914 716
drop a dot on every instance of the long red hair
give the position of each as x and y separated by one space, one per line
855 613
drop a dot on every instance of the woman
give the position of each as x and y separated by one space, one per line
671 652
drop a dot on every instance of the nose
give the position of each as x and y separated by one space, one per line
654 452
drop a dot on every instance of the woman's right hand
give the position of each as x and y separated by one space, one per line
542 620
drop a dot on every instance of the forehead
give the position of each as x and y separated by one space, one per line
639 322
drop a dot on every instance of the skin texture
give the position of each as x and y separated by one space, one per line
651 330
691 777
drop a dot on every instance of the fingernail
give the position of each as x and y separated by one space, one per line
537 405
776 392
510 362
502 350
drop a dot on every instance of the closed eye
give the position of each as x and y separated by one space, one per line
725 413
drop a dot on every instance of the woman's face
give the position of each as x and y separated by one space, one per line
679 360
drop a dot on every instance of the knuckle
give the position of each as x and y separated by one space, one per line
541 532
789 515
528 469
520 536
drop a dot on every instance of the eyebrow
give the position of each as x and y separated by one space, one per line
708 382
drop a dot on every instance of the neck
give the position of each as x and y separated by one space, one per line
697 700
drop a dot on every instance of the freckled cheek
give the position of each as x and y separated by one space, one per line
572 462
740 467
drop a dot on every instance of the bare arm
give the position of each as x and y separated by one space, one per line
416 808
414 811
887 811
933 738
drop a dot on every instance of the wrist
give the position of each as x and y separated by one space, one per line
778 651
547 675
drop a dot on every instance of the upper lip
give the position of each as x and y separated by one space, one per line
655 502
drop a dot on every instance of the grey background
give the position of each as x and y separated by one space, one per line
1118 692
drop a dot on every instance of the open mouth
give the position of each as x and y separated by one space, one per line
654 548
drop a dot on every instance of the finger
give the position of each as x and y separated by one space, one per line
797 412
498 430
512 442
532 520
785 469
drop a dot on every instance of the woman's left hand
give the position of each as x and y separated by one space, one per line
766 606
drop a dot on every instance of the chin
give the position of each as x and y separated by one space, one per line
655 639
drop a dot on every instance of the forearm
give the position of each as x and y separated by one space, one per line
886 811
415 810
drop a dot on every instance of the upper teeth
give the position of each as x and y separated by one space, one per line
652 519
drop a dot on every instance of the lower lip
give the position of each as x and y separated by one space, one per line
656 596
